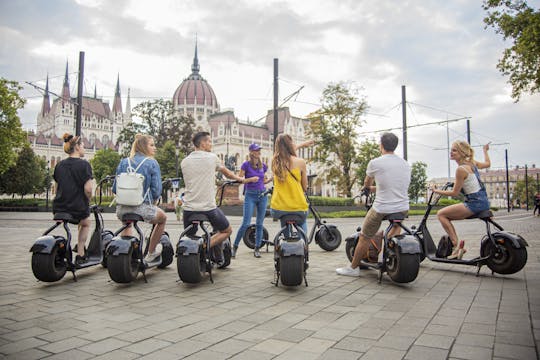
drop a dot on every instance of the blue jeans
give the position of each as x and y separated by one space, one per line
253 199
276 214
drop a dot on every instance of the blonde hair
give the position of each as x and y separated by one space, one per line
140 145
284 150
465 150
70 142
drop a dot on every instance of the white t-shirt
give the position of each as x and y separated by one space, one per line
199 172
392 176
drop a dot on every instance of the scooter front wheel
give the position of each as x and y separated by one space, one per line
328 238
249 236
123 268
49 267
505 259
401 267
167 254
189 268
291 269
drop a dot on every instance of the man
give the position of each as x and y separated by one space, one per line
199 173
392 176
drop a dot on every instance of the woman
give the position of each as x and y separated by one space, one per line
73 178
144 149
468 182
290 181
253 197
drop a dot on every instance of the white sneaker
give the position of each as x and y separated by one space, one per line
151 257
348 271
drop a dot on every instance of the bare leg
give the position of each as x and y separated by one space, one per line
220 236
84 229
449 213
159 221
360 252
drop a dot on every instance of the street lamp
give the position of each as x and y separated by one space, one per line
176 153
48 180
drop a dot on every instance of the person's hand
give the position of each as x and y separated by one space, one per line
252 179
486 147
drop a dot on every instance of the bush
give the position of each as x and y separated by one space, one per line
446 202
330 201
23 202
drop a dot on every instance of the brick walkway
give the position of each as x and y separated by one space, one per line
446 313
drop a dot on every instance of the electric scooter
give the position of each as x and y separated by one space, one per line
400 254
195 257
52 254
503 252
125 254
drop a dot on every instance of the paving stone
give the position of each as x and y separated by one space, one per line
29 354
514 351
470 352
426 353
20 346
292 334
338 354
377 353
250 355
436 341
486 341
395 342
72 354
104 346
273 346
355 344
118 355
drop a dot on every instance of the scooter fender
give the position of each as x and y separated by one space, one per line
188 246
45 244
292 248
354 238
120 245
407 244
516 240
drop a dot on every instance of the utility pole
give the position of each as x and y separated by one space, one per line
78 114
404 114
469 131
526 187
276 90
507 181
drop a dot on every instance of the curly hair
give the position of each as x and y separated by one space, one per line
465 150
284 150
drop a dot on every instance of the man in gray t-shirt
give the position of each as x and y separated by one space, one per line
199 173
392 176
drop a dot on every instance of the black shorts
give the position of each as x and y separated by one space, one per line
218 220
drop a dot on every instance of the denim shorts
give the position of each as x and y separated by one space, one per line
477 201
147 211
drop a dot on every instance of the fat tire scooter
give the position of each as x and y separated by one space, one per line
125 254
52 255
194 255
400 253
503 252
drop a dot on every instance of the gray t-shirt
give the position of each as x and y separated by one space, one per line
199 172
392 176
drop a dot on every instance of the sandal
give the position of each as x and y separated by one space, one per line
457 252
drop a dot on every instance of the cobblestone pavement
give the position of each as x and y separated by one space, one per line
447 313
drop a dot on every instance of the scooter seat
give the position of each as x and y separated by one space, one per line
197 218
288 218
65 217
486 214
395 216
131 217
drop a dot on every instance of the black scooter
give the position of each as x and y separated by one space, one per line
52 255
195 257
400 254
501 251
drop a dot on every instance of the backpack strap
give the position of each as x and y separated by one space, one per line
130 169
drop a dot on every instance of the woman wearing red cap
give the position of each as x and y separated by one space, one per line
253 197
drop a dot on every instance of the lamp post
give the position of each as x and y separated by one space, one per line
176 153
48 180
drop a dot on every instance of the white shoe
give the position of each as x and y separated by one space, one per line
151 257
348 271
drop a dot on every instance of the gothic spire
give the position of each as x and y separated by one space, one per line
195 66
46 106
117 104
65 88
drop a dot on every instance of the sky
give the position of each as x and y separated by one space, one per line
440 51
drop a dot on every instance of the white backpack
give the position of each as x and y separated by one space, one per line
130 186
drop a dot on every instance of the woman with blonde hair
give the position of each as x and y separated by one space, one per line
290 181
468 182
142 153
73 178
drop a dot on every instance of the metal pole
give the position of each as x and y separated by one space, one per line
176 167
507 182
469 131
48 187
448 147
404 114
78 117
276 92
537 183
526 187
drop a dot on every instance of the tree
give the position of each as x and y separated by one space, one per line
520 192
516 21
368 150
166 157
104 163
127 135
11 132
27 176
335 127
418 180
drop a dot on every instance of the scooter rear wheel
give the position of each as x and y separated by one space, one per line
291 270
49 267
401 267
505 260
167 255
249 236
189 268
123 268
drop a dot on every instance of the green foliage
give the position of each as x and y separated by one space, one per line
166 157
335 128
330 201
104 163
11 132
127 136
520 192
369 150
418 180
519 23
446 202
27 176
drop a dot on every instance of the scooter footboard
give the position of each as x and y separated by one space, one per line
292 248
188 246
45 244
120 245
407 244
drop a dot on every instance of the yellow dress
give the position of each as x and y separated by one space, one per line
289 195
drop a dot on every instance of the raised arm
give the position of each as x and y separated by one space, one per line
487 162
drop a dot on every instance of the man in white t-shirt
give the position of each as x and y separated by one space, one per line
392 176
199 173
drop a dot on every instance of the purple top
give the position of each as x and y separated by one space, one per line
249 171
